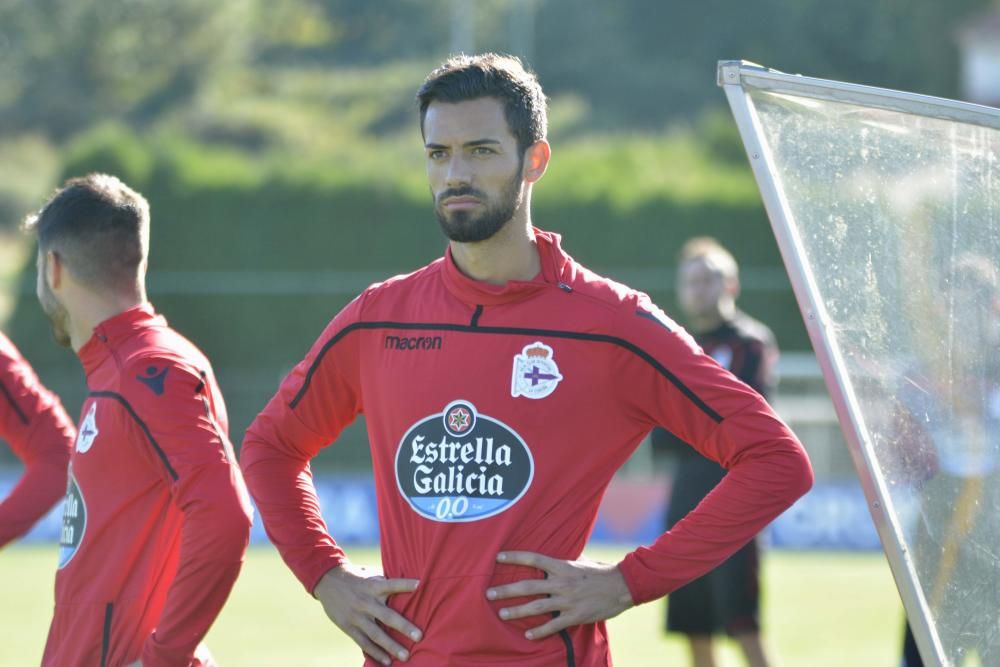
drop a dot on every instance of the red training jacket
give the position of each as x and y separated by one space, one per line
497 416
156 518
33 422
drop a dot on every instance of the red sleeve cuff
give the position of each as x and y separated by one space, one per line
643 583
155 655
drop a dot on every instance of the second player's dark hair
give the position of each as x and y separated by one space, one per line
99 227
462 78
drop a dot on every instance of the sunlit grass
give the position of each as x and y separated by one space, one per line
821 610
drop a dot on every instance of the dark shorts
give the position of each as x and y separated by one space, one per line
727 599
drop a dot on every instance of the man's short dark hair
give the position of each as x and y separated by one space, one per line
98 226
462 78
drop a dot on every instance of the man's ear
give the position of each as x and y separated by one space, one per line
536 160
733 287
53 269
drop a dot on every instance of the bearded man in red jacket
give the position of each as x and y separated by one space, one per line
156 518
503 385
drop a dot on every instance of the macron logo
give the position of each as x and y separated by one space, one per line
153 378
413 342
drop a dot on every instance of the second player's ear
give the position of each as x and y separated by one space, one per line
536 160
53 268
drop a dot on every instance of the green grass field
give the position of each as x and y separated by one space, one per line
820 610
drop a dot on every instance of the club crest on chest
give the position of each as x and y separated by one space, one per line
535 373
88 430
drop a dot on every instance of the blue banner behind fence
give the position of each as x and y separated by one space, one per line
834 515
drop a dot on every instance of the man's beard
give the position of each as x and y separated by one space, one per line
466 226
57 315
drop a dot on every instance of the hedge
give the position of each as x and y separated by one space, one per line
235 236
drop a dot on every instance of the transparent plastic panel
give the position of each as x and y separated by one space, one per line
898 216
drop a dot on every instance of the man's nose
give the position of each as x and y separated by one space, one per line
458 172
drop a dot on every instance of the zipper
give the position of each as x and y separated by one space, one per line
567 640
476 315
106 634
570 653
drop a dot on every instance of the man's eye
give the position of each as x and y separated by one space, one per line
436 155
482 150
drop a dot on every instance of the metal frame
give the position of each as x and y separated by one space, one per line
746 74
735 77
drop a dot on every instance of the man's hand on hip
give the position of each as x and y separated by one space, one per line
577 592
355 600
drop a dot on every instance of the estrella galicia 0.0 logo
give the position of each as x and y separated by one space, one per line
461 465
74 522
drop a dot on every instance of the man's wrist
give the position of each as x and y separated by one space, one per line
326 579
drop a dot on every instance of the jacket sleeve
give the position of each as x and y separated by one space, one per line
315 402
670 382
33 422
198 464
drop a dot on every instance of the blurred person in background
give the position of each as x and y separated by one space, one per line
727 599
948 450
156 519
40 433
503 385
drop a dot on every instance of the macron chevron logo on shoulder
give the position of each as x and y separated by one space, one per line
154 378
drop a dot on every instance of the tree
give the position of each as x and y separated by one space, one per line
648 61
67 63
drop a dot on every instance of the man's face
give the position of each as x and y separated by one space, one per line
54 311
474 168
701 288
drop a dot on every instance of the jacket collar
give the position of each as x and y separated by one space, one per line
555 270
112 332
